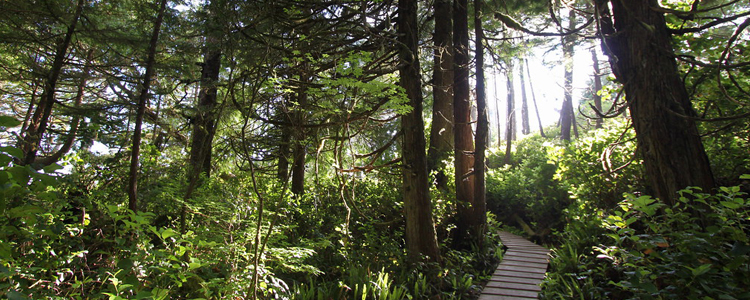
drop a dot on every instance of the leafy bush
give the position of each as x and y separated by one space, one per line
600 166
696 249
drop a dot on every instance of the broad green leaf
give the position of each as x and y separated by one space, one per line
730 204
13 151
20 174
6 121
700 270
167 233
52 168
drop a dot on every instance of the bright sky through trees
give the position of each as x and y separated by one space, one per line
547 80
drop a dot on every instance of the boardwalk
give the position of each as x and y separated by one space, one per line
519 274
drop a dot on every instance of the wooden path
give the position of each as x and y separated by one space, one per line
520 273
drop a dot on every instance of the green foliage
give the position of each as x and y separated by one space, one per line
728 155
40 245
600 166
696 249
527 188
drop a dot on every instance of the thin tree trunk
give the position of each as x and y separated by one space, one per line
480 201
641 55
525 128
464 144
533 99
30 110
597 88
141 109
40 119
421 237
75 123
298 166
282 165
566 113
441 133
497 115
510 128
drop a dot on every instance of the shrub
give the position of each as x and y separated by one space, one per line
644 249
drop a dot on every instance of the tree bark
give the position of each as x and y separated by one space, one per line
479 223
282 165
510 128
525 127
141 109
40 119
464 144
441 133
421 237
497 115
642 58
204 121
298 166
566 113
597 87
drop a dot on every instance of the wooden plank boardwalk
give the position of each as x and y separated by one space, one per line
520 273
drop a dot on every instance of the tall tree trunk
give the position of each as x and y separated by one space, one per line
204 121
533 99
464 144
597 88
642 59
441 133
480 200
525 127
299 115
497 114
566 113
299 148
40 119
141 109
421 237
510 128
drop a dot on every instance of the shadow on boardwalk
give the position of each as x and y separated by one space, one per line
520 273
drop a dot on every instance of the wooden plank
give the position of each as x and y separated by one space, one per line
515 280
505 273
524 254
521 269
509 292
520 263
530 248
515 286
498 297
531 260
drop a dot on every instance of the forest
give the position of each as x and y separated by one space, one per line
348 149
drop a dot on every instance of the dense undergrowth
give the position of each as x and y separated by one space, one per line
70 236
